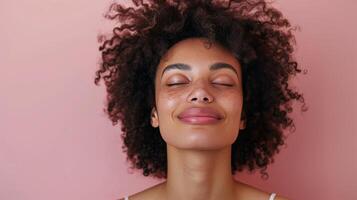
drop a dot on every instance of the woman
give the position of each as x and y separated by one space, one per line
201 91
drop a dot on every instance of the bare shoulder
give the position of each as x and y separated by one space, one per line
245 191
150 193
278 197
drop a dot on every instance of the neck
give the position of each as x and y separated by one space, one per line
199 174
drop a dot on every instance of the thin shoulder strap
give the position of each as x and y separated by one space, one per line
126 198
272 196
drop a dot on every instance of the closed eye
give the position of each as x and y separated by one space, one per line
172 84
223 84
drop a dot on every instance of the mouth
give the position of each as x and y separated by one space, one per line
200 115
199 120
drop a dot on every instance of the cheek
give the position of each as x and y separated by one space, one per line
167 101
232 103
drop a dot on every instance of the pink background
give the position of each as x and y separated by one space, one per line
56 143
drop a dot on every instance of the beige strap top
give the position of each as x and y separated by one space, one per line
272 196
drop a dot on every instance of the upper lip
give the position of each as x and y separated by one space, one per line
200 112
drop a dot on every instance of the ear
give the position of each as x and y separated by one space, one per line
154 118
243 121
242 124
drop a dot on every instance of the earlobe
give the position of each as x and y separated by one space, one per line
154 118
243 121
242 124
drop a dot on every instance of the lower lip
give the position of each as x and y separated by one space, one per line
199 120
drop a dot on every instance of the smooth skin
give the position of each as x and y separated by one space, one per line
199 155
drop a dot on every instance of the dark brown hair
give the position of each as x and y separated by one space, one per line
258 36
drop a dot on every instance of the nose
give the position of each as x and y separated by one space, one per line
200 95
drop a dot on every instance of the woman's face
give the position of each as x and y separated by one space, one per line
203 109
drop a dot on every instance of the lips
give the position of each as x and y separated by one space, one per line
197 115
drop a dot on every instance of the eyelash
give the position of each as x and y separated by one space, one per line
173 84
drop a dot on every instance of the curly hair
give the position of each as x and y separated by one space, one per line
257 34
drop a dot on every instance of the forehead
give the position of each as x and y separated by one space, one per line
195 50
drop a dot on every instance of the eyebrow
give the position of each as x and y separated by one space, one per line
215 66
